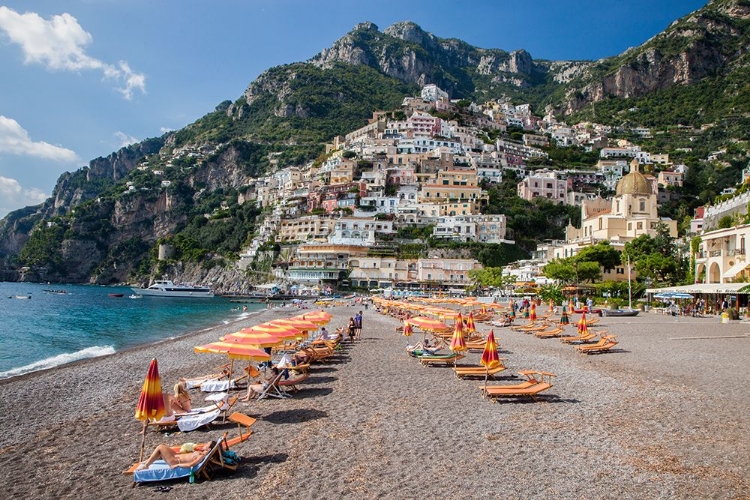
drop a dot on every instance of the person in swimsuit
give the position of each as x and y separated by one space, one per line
175 459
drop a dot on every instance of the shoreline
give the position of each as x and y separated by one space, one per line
135 347
645 421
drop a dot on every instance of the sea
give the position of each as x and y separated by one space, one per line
50 329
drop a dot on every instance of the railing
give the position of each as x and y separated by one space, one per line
714 253
737 251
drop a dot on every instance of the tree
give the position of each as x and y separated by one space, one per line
602 253
490 277
560 269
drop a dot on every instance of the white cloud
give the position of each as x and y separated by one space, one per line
13 196
60 43
164 130
15 140
124 139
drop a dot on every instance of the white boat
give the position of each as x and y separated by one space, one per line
135 296
165 288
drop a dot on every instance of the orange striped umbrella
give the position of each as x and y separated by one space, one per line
532 312
490 358
317 317
458 343
551 305
235 350
428 324
257 339
299 324
151 400
280 331
582 326
470 327
570 306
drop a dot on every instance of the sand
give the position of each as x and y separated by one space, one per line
660 418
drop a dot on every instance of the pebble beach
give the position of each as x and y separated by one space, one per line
662 416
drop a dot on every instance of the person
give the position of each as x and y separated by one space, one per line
254 390
175 459
358 323
324 335
180 402
352 329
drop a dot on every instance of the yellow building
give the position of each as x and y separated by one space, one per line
631 213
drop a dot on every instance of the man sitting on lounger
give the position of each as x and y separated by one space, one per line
254 390
185 459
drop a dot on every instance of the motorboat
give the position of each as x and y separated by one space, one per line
621 312
116 295
166 288
135 296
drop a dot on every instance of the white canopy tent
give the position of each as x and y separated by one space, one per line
720 288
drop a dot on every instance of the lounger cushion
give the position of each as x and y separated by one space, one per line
160 471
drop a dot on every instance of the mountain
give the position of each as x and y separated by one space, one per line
103 221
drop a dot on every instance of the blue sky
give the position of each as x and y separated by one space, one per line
82 78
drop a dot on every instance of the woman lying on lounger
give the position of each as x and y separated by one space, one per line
254 390
173 459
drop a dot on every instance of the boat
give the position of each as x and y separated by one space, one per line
56 292
135 296
166 288
621 312
115 295
23 296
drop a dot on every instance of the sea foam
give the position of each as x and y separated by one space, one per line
60 359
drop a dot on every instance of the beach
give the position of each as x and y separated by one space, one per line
663 416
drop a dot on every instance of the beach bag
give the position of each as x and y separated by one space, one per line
230 457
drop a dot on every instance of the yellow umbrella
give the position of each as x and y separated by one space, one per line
470 327
582 326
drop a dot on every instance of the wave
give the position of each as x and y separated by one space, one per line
60 359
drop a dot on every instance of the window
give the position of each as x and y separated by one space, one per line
640 225
642 206
630 226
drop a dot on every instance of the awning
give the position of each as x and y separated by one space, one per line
720 288
735 270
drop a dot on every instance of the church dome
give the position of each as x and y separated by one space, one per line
634 183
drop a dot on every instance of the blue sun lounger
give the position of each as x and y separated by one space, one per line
160 471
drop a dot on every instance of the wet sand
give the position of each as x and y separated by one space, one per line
665 416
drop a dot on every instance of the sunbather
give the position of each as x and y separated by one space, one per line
181 402
254 390
185 459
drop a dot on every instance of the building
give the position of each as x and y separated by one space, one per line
548 184
631 213
722 256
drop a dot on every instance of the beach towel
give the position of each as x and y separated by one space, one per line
160 471
217 386
192 421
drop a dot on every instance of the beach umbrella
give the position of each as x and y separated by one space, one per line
564 319
571 309
470 327
582 327
458 343
490 359
234 350
151 400
254 338
551 305
532 312
484 309
428 324
318 317
299 324
281 331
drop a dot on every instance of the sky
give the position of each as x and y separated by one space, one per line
83 78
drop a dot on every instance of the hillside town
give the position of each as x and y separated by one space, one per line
427 165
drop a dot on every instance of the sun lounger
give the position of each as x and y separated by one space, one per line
537 382
440 359
598 348
574 339
241 420
477 371
160 470
272 390
291 382
548 334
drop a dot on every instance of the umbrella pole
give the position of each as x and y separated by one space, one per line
231 374
143 439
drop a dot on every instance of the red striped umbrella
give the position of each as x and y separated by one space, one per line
532 312
470 327
582 327
490 358
458 343
151 400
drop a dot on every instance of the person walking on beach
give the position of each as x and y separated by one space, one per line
358 324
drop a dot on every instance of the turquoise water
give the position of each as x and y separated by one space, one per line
48 329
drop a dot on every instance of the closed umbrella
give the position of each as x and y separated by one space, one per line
582 327
408 329
490 359
458 343
151 400
564 319
470 327
532 312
